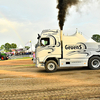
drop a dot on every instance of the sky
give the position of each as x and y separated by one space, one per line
22 20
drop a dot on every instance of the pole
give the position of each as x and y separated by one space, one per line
31 48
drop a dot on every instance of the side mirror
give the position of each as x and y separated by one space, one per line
38 36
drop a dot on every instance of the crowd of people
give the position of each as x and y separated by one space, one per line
23 53
30 54
20 53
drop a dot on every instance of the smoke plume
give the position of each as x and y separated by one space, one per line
63 6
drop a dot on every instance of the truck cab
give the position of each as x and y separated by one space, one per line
76 51
48 47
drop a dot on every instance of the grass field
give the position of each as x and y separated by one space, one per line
24 58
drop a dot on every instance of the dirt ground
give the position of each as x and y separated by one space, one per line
21 80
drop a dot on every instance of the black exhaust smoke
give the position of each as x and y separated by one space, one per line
63 6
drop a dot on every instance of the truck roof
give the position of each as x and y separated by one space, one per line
48 30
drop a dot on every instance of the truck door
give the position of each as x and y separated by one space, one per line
43 49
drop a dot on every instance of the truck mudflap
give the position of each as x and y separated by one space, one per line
73 62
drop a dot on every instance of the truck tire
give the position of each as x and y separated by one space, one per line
51 66
2 58
94 63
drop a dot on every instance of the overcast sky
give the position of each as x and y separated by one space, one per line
22 20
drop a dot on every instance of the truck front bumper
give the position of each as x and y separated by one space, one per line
39 64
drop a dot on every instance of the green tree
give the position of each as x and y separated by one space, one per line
7 46
13 45
96 37
2 47
27 47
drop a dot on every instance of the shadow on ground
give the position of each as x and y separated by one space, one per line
65 69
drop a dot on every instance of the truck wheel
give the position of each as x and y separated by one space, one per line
2 58
51 66
94 62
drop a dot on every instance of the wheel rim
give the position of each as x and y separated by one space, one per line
51 66
2 58
95 63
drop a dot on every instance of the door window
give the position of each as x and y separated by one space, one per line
44 41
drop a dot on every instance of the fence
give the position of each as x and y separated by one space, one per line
20 56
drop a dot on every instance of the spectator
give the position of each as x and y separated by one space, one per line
33 55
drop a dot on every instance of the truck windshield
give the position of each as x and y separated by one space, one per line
44 42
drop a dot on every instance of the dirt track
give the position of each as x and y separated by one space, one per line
20 80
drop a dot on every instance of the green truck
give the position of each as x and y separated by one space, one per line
3 56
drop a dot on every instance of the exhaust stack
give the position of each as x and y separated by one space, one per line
61 39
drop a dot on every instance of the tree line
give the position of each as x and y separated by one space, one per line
96 37
7 47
